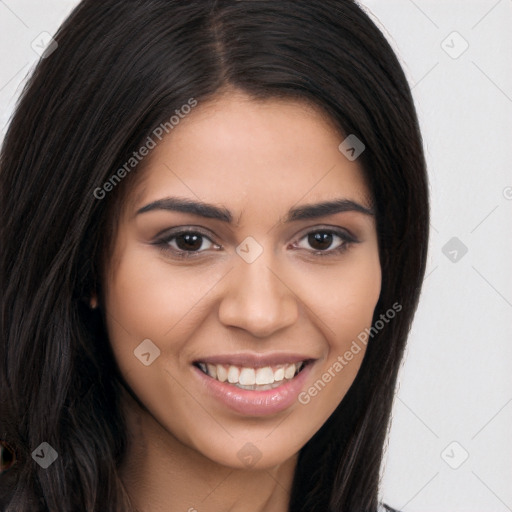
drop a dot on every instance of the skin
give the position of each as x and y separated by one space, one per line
257 159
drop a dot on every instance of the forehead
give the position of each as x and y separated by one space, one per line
252 155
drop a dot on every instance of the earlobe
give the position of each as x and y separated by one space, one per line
93 303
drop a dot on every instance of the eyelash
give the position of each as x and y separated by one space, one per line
163 243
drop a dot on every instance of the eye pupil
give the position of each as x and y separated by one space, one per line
324 239
192 241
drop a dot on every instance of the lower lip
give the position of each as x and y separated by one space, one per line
255 403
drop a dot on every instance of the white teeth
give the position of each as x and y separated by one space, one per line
279 375
289 371
222 373
212 370
264 375
233 374
252 378
247 377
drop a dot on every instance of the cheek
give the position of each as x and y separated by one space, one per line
344 296
141 296
143 303
150 300
357 297
345 301
145 300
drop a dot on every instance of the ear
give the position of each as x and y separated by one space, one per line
93 302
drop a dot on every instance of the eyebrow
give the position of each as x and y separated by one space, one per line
210 211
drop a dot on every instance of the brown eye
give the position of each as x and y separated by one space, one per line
321 240
189 241
185 243
324 242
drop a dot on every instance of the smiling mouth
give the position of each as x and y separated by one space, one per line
253 379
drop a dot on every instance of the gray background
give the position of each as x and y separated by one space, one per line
450 443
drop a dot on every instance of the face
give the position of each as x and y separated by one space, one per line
232 299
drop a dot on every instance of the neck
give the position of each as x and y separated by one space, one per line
160 474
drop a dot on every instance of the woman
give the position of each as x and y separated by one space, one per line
215 225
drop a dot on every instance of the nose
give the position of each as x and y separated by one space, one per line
258 299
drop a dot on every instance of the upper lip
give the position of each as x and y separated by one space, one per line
253 360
